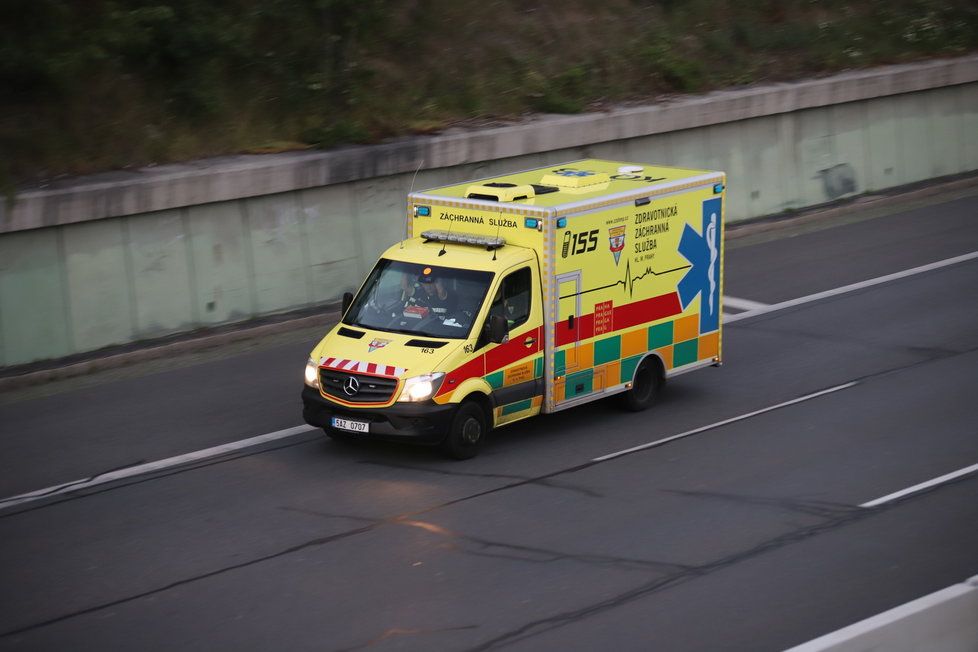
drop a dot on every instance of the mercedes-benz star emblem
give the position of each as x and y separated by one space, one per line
351 386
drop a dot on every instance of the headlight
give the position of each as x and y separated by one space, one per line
421 388
312 373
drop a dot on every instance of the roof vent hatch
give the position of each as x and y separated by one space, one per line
499 191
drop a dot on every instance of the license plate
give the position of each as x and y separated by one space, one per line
351 425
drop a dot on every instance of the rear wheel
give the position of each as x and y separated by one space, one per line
467 432
646 386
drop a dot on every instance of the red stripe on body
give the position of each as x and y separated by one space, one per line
494 359
583 324
513 350
474 368
640 312
626 316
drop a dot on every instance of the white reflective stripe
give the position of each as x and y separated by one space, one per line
362 367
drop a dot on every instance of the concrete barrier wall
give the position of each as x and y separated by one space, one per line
126 256
944 621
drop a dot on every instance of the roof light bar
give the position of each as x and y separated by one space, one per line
489 242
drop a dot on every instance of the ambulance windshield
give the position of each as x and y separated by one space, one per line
419 299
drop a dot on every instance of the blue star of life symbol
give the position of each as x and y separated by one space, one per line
702 250
570 172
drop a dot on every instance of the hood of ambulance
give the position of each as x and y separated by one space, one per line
387 352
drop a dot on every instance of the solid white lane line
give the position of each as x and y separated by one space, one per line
742 304
923 485
150 467
725 422
854 286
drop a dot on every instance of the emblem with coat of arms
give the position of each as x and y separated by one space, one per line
377 343
616 239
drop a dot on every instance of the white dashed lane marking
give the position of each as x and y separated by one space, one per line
742 304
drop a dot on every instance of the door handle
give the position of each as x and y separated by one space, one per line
529 341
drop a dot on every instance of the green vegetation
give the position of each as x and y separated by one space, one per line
103 84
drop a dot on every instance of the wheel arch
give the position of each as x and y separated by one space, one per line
483 401
660 366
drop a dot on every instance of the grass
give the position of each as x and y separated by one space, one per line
108 84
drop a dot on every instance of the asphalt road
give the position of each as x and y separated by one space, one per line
744 536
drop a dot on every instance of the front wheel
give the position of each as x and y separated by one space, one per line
645 388
467 432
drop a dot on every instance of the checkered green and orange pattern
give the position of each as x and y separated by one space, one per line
609 361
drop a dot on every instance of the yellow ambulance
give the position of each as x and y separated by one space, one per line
526 293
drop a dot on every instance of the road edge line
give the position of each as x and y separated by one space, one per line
151 467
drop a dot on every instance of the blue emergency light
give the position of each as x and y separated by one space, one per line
717 189
422 211
531 222
561 222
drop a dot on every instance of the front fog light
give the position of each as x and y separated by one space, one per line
421 388
312 373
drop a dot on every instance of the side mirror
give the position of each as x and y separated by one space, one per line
347 301
498 329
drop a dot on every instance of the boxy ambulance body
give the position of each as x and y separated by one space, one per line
526 293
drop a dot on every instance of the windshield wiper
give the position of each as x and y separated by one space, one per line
441 336
392 330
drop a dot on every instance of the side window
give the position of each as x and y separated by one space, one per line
512 301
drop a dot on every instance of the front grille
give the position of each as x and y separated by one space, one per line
371 388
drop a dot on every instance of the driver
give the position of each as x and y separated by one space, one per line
430 294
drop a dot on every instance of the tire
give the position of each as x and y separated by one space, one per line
467 432
646 386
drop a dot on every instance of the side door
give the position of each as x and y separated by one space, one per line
568 311
514 368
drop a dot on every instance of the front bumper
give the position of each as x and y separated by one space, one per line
424 423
